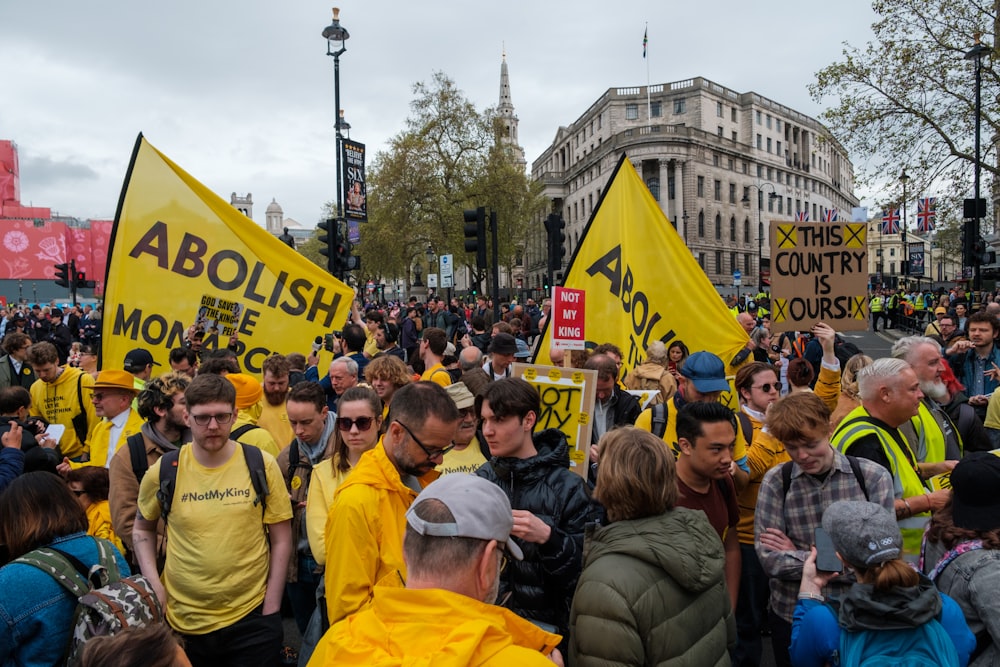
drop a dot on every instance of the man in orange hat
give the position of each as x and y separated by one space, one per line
111 395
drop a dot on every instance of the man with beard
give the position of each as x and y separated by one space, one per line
273 415
386 336
162 405
931 434
364 534
469 453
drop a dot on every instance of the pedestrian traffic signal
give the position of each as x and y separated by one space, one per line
475 234
555 226
328 231
64 275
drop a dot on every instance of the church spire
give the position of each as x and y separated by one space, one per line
506 110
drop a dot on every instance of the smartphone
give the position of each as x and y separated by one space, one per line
826 553
328 342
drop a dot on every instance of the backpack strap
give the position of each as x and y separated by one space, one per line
746 426
246 428
56 565
786 478
137 453
659 420
258 476
293 461
168 481
856 469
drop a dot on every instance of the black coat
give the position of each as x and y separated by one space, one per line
541 586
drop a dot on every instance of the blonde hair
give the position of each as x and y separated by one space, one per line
849 377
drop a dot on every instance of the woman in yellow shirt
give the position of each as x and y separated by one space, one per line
359 419
90 486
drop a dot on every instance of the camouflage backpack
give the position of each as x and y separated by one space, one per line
107 603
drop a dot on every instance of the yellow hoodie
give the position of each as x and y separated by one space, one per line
60 401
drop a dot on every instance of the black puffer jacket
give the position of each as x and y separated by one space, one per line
541 586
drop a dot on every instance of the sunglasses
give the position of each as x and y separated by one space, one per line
431 453
766 388
345 424
221 419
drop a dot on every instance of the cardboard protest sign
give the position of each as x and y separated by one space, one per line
819 273
568 396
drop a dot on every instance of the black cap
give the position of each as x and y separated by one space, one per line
974 484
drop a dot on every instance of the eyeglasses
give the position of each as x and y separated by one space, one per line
221 419
345 424
766 388
431 453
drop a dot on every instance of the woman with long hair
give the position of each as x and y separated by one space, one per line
36 611
889 596
359 420
652 589
962 551
677 352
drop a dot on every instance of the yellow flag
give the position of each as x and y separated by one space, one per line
642 282
181 256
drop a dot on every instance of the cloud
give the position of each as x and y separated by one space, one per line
44 171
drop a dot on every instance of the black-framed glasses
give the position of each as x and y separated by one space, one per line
431 453
363 423
221 419
767 386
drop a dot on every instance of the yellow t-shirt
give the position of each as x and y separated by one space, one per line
274 420
437 374
371 345
467 460
323 484
217 554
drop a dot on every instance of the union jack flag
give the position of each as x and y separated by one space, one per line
830 215
890 221
802 216
925 214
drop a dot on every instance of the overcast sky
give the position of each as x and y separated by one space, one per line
240 94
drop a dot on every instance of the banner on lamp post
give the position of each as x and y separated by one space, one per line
355 187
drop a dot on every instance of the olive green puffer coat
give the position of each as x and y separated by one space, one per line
652 592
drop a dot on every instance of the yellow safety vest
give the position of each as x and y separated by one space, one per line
929 439
876 304
906 481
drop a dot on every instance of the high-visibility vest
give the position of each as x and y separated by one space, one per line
906 480
931 438
876 304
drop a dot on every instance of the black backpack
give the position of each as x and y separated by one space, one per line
844 350
168 478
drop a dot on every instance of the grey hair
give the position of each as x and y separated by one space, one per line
465 362
881 373
656 353
349 364
904 347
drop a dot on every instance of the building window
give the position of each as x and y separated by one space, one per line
631 111
654 187
780 200
760 171
670 188
746 264
746 230
746 168
718 262
777 148
769 121
718 227
715 160
701 186
679 105
732 262
732 230
701 260
656 109
701 224
770 203
732 194
718 190
777 124
718 109
735 135
892 252
732 115
719 130
769 144
760 142
732 165
758 117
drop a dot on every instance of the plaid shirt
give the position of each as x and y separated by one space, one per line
798 515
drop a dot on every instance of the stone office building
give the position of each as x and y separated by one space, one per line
712 157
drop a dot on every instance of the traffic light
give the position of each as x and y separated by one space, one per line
64 275
475 234
555 226
81 280
329 230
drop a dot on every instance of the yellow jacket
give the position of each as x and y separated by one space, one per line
765 452
99 523
364 533
99 437
59 402
433 627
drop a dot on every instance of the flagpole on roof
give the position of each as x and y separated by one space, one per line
649 106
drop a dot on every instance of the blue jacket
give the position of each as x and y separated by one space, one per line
11 465
816 633
36 612
964 364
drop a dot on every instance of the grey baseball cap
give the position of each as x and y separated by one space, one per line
864 533
480 508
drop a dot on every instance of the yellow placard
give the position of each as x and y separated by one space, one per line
180 254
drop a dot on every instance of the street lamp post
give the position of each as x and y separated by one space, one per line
976 53
429 254
903 178
335 33
760 227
